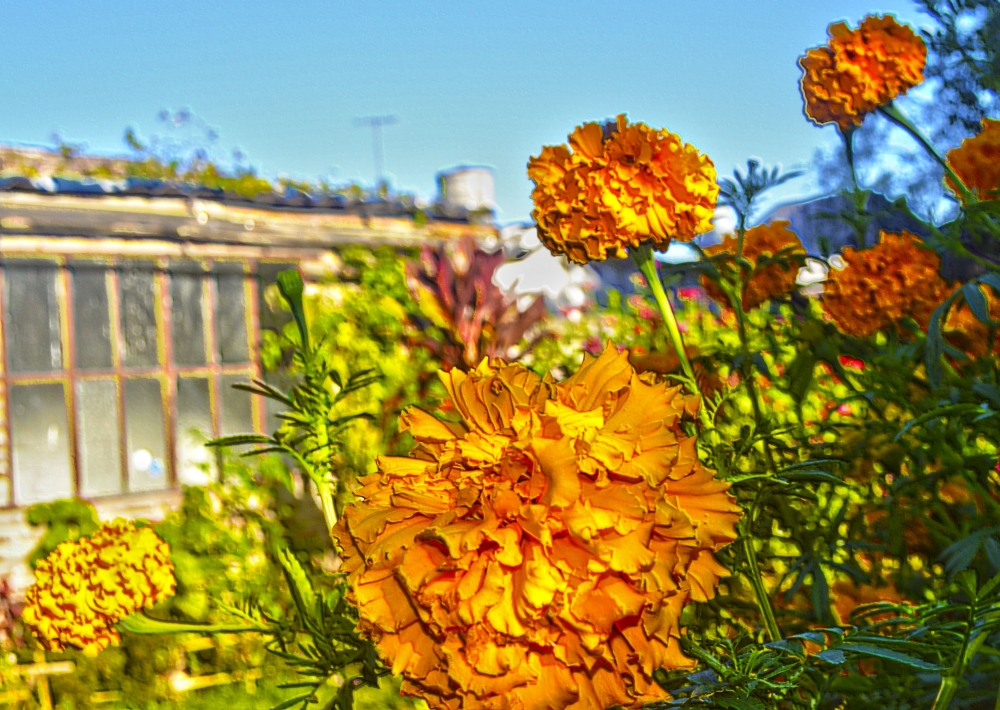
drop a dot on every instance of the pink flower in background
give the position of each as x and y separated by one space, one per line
646 313
593 345
690 293
844 410
638 279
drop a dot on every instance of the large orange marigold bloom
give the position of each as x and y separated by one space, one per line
617 186
83 588
880 286
977 160
763 241
537 553
859 70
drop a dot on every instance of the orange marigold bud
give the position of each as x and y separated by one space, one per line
977 161
538 553
880 286
860 70
83 588
763 241
618 186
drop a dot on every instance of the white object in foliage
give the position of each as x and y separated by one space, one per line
531 270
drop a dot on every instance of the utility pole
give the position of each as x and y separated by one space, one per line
376 123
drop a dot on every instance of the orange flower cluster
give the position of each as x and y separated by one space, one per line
538 553
847 597
860 70
969 334
880 286
618 186
770 281
977 161
83 588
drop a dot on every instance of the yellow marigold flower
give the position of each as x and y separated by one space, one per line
538 552
617 186
85 587
770 281
880 286
977 160
860 70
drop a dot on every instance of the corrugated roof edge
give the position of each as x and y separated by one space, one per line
292 200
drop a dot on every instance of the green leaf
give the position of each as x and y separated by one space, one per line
139 623
977 302
241 439
291 288
935 342
301 586
867 649
291 702
800 373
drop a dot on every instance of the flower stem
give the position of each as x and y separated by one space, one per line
757 582
895 116
643 258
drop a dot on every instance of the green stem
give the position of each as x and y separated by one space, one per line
643 258
951 680
848 136
757 582
895 116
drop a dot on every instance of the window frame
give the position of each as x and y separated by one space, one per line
166 371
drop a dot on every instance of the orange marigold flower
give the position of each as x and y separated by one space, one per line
763 241
617 186
969 334
847 597
880 286
977 161
83 588
859 70
538 552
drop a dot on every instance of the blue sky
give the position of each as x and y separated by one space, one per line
471 82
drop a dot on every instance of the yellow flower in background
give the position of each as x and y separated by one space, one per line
860 70
538 552
763 241
880 286
977 160
617 186
85 587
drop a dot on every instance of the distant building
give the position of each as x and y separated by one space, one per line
127 312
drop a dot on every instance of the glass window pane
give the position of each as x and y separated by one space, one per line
187 318
194 427
147 468
40 443
32 318
99 445
230 319
92 322
237 413
135 284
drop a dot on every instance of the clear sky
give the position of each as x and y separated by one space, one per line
471 82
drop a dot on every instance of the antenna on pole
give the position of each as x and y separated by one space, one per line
376 123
